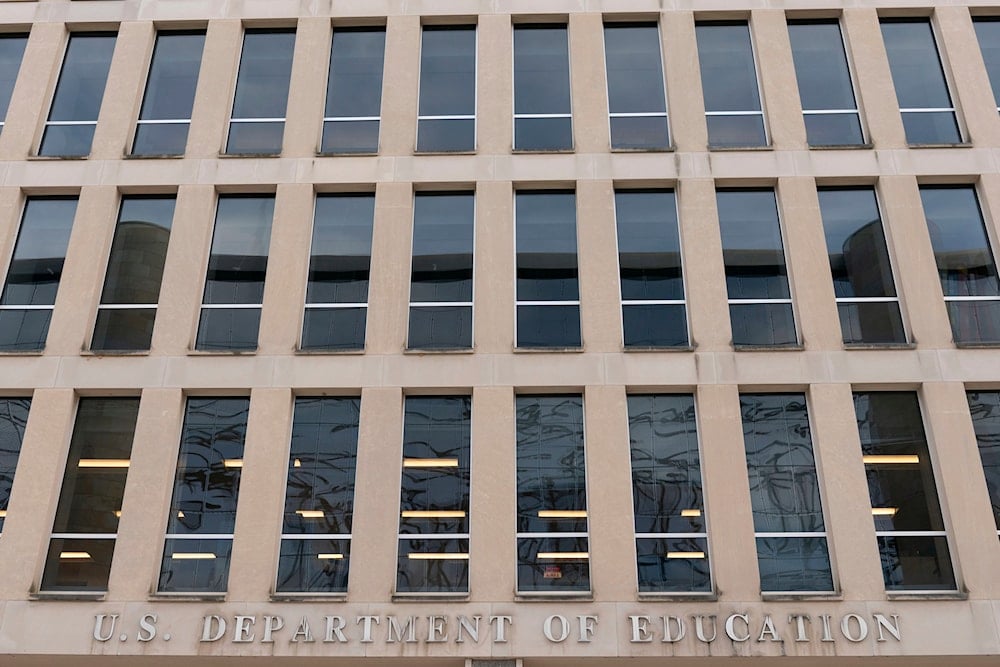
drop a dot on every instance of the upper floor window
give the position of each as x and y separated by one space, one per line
760 303
921 88
337 292
825 89
985 409
11 53
13 421
257 124
988 34
69 130
862 273
636 99
29 294
354 91
447 114
548 289
543 120
135 269
165 117
441 276
965 262
733 109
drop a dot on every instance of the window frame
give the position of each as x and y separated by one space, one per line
8 35
474 117
513 97
984 19
8 487
661 54
328 119
992 498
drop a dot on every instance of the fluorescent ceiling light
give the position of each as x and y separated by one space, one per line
330 556
180 515
233 463
297 463
438 556
562 514
890 458
103 463
310 514
430 463
433 514
118 514
685 554
690 513
74 555
884 511
3 514
181 555
562 555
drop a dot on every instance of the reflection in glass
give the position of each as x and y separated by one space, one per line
203 507
729 83
760 304
859 261
135 270
825 88
165 116
434 495
319 497
988 34
11 51
542 113
234 285
258 119
905 508
784 490
447 113
636 99
34 273
13 420
354 91
985 409
547 292
649 260
552 543
69 130
337 290
441 276
921 88
965 262
90 502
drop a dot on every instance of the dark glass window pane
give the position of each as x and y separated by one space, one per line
985 409
751 245
444 135
36 267
961 248
919 81
548 326
74 564
78 94
228 329
334 328
988 34
757 324
649 251
916 563
341 249
11 52
635 85
443 227
546 246
439 327
13 420
655 325
170 89
745 131
553 564
129 329
24 329
433 566
238 262
794 564
195 566
834 129
541 86
447 87
261 91
673 565
636 133
313 566
729 84
871 323
354 90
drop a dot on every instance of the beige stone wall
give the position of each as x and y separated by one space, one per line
495 371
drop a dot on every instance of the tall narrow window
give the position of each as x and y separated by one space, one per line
13 420
825 88
543 120
165 116
319 498
354 91
441 278
733 108
921 89
636 99
29 293
199 538
908 523
234 286
548 291
552 545
988 33
258 121
90 503
649 259
670 538
69 130
434 499
985 409
135 270
337 292
447 120
965 262
792 551
859 260
760 303
11 53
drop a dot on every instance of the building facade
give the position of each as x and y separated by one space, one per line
495 332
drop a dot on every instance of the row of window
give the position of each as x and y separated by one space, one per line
553 554
654 310
542 105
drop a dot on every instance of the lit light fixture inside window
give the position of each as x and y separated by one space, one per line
562 555
233 463
691 513
890 458
433 514
438 556
182 555
297 463
562 514
671 555
884 511
75 555
310 514
103 463
430 463
330 556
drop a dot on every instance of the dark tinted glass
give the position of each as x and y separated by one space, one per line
985 409
655 325
78 94
13 420
262 91
673 565
313 566
794 564
447 87
170 88
548 326
195 566
334 328
91 498
11 52
729 84
553 564
354 90
635 85
541 86
546 246
439 327
988 33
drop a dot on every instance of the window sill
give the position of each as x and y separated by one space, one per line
548 596
257 156
543 151
420 351
544 350
792 596
651 149
781 347
463 152
22 353
221 353
187 597
311 352
51 158
960 144
665 596
841 147
430 597
114 353
978 346
157 156
926 595
308 597
726 149
880 346
68 596
665 348
365 154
